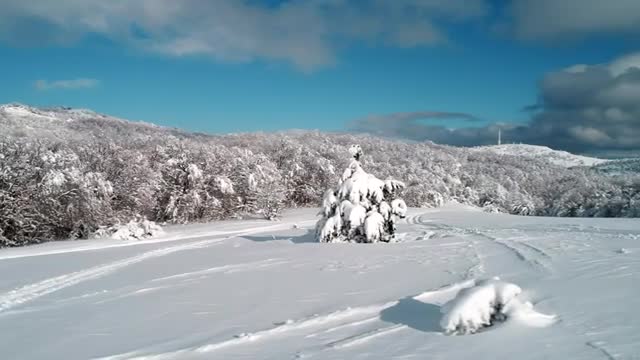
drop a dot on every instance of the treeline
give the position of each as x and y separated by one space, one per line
59 188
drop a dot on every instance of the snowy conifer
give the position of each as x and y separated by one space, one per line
362 208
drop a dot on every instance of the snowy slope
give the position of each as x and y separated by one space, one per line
65 123
263 290
50 114
557 157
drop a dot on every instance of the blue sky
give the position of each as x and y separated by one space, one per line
265 65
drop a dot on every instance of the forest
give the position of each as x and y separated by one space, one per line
79 177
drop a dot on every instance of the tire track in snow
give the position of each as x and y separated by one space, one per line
33 291
527 253
432 229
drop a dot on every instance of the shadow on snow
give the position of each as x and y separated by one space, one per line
414 314
307 237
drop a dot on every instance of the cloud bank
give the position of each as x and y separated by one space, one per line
583 109
81 83
304 33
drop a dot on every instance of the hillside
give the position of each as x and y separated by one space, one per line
556 157
73 173
64 123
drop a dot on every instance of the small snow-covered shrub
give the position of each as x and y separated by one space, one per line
479 306
486 303
362 208
133 230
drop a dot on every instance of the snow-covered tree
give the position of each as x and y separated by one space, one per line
362 208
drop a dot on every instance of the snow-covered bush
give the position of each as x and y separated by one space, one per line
479 306
488 302
137 229
362 208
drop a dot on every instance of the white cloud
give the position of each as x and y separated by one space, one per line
624 63
82 83
304 33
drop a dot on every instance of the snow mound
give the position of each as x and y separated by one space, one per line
485 304
133 230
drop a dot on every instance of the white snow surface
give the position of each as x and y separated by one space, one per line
253 289
557 157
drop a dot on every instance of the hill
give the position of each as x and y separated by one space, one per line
556 157
64 123
71 173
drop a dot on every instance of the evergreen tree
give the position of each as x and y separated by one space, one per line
362 208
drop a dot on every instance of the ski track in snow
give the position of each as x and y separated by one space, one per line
599 346
225 269
365 323
344 326
17 253
339 318
365 337
34 291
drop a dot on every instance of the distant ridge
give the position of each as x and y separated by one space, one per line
556 157
65 122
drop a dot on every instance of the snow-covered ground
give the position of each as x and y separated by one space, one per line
265 290
556 157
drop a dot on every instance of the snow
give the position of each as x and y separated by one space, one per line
255 289
398 207
20 111
224 184
50 115
354 214
556 157
373 226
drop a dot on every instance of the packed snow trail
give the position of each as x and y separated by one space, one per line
253 289
32 291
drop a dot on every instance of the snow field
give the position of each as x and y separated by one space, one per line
262 290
